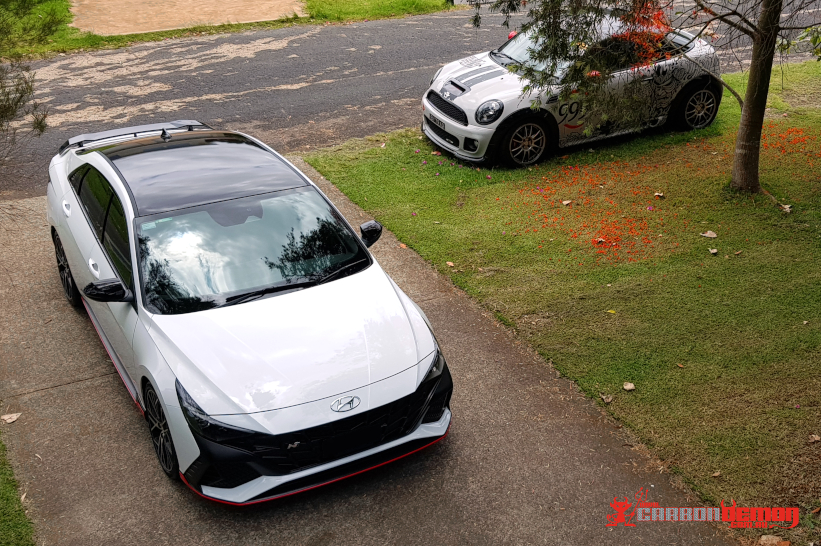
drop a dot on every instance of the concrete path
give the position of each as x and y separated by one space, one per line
108 17
529 460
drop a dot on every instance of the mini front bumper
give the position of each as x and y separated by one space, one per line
452 136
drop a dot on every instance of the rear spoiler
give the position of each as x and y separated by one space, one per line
82 140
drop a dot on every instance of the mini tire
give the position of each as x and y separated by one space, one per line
70 290
160 434
527 141
696 107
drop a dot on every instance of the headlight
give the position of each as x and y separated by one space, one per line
433 79
202 424
437 366
489 111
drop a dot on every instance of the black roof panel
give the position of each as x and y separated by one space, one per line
197 167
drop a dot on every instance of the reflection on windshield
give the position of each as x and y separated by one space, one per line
196 259
517 51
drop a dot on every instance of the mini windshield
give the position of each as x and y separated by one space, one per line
517 51
213 255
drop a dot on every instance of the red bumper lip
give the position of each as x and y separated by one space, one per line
289 493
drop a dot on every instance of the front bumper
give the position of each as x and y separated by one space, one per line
452 136
265 467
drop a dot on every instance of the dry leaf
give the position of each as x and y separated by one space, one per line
814 438
403 245
716 474
769 540
659 195
737 253
567 202
629 386
606 397
710 234
786 208
36 455
806 322
816 510
23 498
680 365
383 145
713 251
611 311
449 264
10 417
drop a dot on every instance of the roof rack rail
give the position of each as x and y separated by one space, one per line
82 140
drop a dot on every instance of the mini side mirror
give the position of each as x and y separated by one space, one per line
108 290
371 232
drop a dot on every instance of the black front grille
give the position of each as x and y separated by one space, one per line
447 108
444 135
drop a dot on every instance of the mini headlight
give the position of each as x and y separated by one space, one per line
204 425
489 111
433 79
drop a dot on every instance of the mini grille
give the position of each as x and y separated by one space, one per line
447 108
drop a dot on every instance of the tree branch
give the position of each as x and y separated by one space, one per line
735 13
717 77
725 18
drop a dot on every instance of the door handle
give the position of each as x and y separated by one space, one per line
66 209
95 269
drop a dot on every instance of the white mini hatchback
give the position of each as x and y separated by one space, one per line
265 346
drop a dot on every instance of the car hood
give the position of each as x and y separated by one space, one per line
473 80
296 347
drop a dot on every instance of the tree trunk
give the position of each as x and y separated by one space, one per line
748 141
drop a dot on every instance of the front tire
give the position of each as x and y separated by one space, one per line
70 290
697 107
526 142
161 434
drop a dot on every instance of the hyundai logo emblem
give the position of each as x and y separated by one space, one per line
346 403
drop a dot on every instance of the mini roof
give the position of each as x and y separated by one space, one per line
197 167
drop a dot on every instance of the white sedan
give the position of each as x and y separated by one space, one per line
265 346
476 110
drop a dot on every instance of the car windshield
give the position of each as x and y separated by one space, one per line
517 51
231 251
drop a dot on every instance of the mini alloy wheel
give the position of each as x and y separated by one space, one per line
66 279
527 143
700 109
160 434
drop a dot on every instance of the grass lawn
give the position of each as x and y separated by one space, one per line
619 286
68 38
15 528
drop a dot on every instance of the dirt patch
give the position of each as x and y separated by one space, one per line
111 17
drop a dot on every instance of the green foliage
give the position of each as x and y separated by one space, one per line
25 23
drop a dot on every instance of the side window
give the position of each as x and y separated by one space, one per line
614 54
95 194
115 240
76 178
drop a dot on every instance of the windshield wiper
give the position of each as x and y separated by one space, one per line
256 294
496 52
329 276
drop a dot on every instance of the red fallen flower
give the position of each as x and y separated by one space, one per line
593 74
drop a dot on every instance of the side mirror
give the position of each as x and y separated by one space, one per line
108 290
371 232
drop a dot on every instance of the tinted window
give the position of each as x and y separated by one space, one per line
613 54
204 256
115 240
95 193
76 177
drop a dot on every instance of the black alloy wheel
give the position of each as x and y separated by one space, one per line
70 290
160 434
